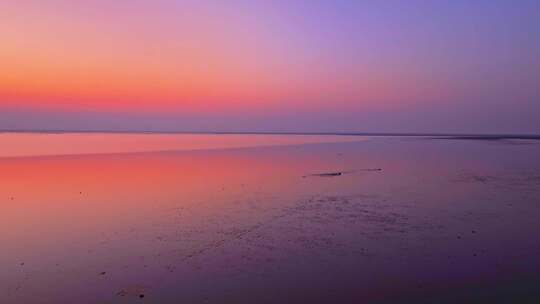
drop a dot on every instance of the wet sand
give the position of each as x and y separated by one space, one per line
385 220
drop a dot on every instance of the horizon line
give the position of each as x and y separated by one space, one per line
348 133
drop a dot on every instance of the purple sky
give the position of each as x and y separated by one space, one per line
308 66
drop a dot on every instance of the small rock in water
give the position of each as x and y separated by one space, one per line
332 174
328 174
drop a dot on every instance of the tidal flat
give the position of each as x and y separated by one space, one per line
327 219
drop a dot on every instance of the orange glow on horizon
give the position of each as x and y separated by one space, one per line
213 60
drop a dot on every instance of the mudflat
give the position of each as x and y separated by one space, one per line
378 220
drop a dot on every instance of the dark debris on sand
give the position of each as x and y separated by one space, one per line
339 173
328 174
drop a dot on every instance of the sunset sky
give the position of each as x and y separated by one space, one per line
304 66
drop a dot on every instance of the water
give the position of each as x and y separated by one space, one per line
409 219
39 144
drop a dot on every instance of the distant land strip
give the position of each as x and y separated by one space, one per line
462 136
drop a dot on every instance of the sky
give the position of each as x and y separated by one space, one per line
461 66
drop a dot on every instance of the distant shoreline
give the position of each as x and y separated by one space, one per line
463 136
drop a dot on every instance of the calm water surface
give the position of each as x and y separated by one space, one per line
408 220
40 144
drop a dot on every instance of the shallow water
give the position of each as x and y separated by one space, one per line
407 220
67 143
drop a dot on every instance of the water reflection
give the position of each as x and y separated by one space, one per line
38 144
440 220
